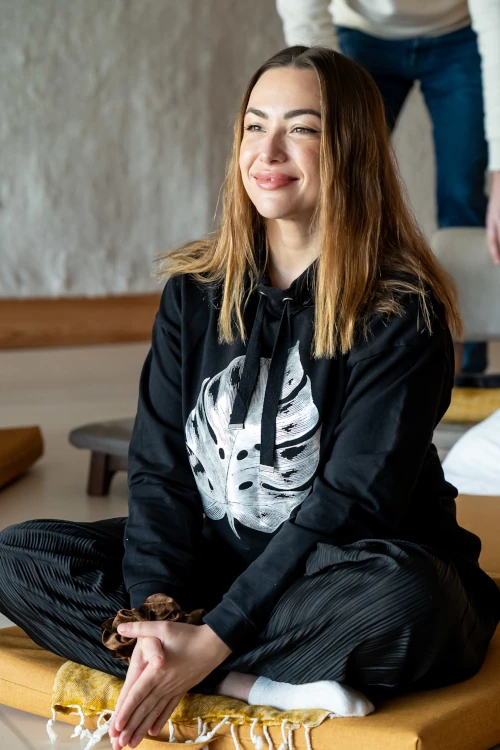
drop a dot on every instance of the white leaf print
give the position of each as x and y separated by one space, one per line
226 462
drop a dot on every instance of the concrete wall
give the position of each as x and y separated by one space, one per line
115 125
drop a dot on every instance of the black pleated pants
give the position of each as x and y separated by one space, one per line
383 616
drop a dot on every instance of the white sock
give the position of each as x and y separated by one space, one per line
328 695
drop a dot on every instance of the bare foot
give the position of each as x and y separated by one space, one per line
236 685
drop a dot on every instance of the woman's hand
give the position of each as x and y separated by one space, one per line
147 651
157 680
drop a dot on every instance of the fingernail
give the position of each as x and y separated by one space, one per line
123 628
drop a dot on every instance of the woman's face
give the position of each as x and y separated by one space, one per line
279 156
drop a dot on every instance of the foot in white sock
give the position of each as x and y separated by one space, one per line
328 695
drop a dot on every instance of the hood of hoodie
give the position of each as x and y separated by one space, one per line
300 293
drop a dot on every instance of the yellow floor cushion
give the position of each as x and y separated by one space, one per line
20 447
481 515
460 717
472 405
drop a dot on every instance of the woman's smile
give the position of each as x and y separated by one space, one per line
273 180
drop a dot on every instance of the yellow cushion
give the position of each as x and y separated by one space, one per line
481 514
472 405
20 447
459 717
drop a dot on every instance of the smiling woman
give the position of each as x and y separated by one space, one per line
281 468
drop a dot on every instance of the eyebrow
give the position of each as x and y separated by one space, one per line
287 115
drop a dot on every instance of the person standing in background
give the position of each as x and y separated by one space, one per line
453 48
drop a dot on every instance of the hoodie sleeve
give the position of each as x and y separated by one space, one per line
165 517
399 386
307 22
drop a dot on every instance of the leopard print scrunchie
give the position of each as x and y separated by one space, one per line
156 607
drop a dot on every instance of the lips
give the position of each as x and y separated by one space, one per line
273 180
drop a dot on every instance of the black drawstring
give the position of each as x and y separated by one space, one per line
250 369
276 374
277 370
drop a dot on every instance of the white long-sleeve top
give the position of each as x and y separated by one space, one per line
312 22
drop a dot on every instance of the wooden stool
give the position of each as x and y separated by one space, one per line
108 445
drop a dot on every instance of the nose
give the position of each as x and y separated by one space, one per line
272 150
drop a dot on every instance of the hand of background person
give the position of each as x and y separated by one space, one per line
493 219
168 659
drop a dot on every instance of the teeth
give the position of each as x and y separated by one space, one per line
274 180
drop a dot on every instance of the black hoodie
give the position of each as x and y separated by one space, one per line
280 450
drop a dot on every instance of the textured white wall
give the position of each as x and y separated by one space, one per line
115 124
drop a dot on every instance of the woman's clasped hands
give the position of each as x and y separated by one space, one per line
168 660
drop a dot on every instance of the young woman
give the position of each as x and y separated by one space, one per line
282 472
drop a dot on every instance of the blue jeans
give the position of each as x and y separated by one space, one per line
449 70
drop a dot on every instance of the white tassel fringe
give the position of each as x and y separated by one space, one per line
103 726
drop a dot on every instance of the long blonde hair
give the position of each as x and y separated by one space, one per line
369 238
